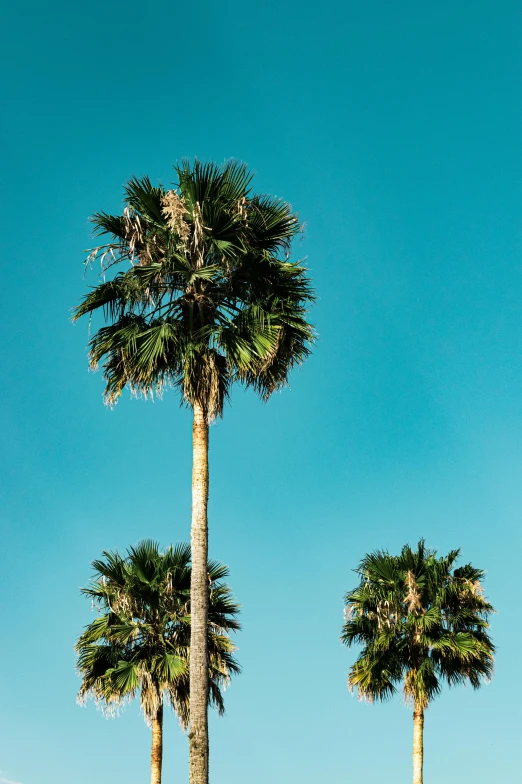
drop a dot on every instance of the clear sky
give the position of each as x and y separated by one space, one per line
395 131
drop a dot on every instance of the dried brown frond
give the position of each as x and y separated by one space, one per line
362 695
174 211
151 697
197 243
413 695
101 252
386 614
477 588
412 598
133 230
208 391
122 604
242 209
409 687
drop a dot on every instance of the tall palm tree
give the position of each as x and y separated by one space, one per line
211 297
140 641
421 622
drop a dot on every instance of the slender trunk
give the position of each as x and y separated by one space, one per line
418 744
198 735
156 755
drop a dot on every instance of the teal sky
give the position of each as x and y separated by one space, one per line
394 129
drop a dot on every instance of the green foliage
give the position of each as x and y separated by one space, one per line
211 295
140 641
420 622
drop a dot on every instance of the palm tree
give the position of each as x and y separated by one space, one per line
140 642
421 622
211 297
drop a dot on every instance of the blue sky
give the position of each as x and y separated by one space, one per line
394 129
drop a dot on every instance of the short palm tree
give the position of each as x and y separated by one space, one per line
211 297
421 622
140 641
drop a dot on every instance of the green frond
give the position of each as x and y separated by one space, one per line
273 223
217 571
96 630
108 224
125 678
124 633
113 297
145 199
168 667
374 677
94 661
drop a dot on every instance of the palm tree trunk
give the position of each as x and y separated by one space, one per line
198 735
156 755
418 744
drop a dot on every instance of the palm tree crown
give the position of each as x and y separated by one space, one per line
140 641
211 295
420 621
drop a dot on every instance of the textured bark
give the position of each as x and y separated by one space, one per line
198 735
418 744
156 755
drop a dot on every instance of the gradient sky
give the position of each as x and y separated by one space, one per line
395 131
